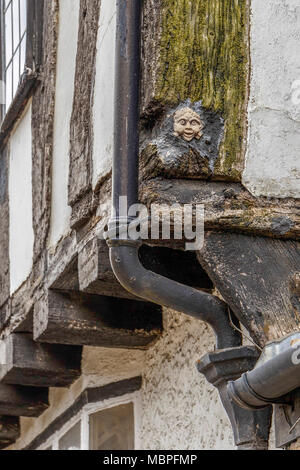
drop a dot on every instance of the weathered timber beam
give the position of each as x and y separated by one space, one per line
228 206
259 278
95 273
68 278
4 314
28 402
25 326
9 430
87 319
25 362
4 228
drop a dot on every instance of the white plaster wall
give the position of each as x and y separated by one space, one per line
180 409
273 156
65 73
20 202
103 114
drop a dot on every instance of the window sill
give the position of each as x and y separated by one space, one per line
17 106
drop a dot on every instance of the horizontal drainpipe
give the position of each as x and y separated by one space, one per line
124 253
269 382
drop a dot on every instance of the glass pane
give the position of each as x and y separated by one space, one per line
8 84
16 74
2 94
113 429
72 439
16 25
15 45
22 54
23 11
8 35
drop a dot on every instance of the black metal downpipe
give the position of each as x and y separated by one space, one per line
124 252
127 92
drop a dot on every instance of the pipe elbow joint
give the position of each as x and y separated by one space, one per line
126 266
158 289
276 375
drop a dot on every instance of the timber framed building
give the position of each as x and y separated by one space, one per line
88 363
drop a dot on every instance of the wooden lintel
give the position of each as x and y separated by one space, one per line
25 362
28 402
9 430
86 319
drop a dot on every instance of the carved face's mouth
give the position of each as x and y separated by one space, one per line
188 135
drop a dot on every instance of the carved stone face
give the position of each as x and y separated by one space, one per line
187 124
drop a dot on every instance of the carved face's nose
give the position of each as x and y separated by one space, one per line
188 126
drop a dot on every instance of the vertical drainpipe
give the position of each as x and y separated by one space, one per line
124 257
127 94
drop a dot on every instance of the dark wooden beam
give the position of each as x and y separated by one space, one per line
259 278
95 273
4 314
29 402
26 325
68 278
87 319
4 231
9 430
25 362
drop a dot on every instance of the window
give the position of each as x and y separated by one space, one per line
71 439
109 426
21 25
14 38
112 429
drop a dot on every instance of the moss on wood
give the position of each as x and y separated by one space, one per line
204 56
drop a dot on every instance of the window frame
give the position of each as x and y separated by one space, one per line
89 409
33 63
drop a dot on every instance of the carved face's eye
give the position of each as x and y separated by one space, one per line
194 122
182 122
